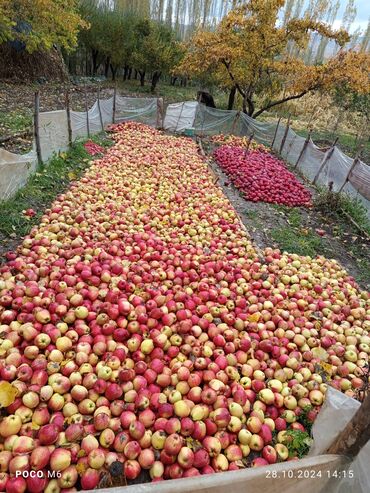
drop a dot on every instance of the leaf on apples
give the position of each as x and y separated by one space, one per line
81 468
320 353
8 393
254 317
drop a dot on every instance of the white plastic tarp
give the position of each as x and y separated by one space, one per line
15 169
144 110
336 412
180 116
291 477
211 121
53 131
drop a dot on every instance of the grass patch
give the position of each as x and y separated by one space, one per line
294 237
251 214
293 241
331 202
357 211
171 94
42 188
15 121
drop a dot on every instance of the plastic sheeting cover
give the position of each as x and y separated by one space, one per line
336 412
15 169
211 121
144 110
53 131
180 116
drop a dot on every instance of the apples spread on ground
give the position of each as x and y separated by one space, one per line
262 177
140 330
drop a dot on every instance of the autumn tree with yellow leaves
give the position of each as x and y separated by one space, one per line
250 53
40 24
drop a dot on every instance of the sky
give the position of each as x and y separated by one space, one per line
363 14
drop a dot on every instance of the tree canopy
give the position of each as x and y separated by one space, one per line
250 51
40 24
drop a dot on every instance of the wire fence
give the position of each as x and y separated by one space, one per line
56 130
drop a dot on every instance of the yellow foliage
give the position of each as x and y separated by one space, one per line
249 50
43 23
8 393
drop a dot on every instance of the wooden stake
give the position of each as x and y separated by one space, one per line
275 133
160 115
199 108
248 144
285 136
355 161
327 156
99 108
355 435
303 149
177 123
114 103
87 113
68 111
162 112
36 127
236 119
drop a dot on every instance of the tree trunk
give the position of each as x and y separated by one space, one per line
106 67
281 101
113 69
136 74
129 73
231 101
155 79
142 77
248 106
173 81
125 72
245 105
336 124
94 56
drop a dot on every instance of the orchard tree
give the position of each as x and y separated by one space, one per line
39 25
248 53
6 23
90 38
142 33
115 41
156 50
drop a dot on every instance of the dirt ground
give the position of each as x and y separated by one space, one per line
17 106
52 96
340 239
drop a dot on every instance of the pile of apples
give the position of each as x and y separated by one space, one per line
234 140
140 331
262 177
93 149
